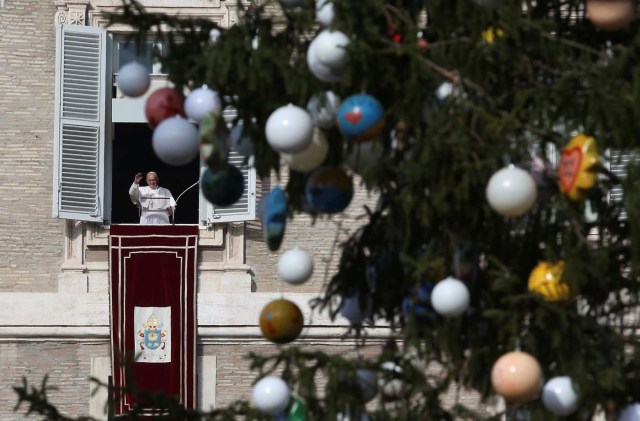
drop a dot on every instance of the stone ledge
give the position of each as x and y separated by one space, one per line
91 310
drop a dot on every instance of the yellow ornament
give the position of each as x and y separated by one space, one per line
546 280
490 34
576 171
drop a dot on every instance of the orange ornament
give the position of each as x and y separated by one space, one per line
517 376
281 321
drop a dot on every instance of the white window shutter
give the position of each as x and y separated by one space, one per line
80 123
245 208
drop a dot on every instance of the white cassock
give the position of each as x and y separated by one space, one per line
153 204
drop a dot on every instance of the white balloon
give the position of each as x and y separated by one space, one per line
201 102
331 48
350 308
271 395
450 297
364 155
320 70
511 191
630 413
324 12
310 158
289 129
133 79
295 266
559 396
175 141
323 113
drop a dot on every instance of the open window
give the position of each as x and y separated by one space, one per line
102 139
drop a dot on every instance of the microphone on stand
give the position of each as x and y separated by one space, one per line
173 217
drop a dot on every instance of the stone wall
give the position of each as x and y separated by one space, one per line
31 241
68 366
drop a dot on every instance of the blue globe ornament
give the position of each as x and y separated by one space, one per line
361 117
223 187
329 190
274 220
417 304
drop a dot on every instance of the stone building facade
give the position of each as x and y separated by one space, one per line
54 303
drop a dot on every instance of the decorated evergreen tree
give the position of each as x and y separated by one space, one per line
499 137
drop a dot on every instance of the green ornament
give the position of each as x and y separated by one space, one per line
298 410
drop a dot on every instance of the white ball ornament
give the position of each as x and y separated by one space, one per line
324 110
175 141
511 191
271 395
331 48
289 129
559 396
630 413
295 266
450 297
133 79
312 156
320 70
324 12
201 102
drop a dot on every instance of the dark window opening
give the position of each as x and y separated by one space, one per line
133 153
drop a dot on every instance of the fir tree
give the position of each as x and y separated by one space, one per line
468 87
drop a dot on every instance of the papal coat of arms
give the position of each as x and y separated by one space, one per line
152 338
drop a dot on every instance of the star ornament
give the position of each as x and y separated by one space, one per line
576 171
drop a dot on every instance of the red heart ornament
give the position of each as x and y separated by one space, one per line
569 168
353 117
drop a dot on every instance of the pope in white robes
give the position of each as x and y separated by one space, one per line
156 203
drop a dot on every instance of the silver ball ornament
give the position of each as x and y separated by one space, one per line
312 156
201 102
324 110
295 266
271 395
175 141
450 297
559 396
289 129
133 79
511 191
324 12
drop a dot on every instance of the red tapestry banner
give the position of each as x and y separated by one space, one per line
153 311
